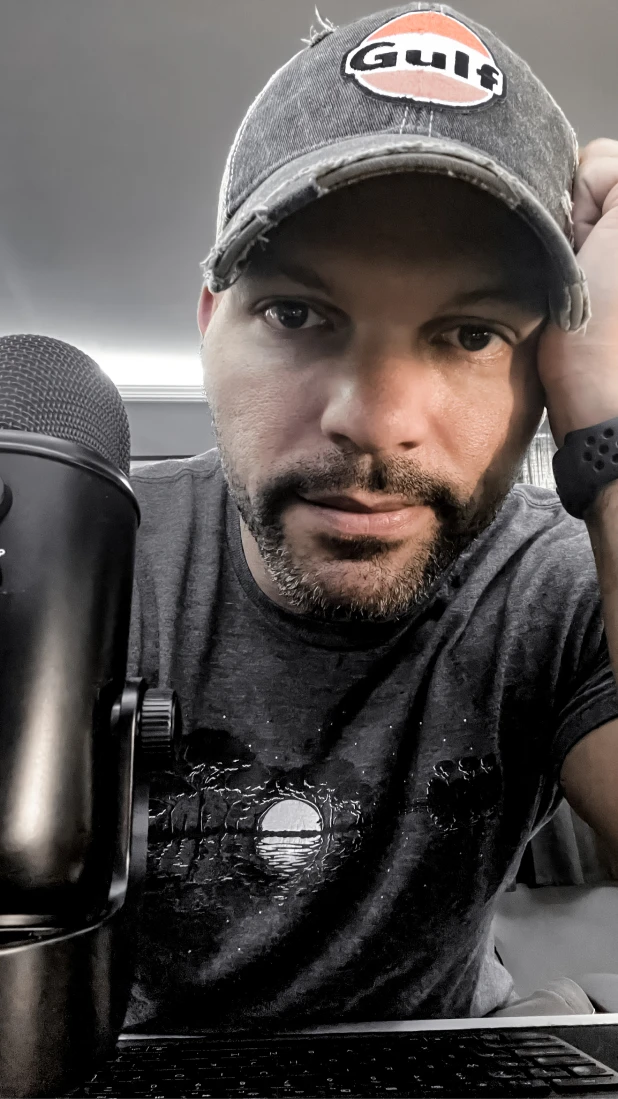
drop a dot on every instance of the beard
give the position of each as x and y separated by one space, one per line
382 592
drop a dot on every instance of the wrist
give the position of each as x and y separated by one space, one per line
579 406
604 507
585 464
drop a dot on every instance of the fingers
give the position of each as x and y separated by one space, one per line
595 188
600 146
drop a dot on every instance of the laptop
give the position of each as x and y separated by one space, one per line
574 1055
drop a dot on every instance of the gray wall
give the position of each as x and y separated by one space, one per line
172 429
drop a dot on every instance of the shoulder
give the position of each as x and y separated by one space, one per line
545 548
535 514
535 560
156 475
170 493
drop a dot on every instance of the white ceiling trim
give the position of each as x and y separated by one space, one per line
162 393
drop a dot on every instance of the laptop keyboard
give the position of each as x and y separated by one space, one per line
450 1064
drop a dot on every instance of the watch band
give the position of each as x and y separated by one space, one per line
587 460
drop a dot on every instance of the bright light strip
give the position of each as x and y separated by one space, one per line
130 368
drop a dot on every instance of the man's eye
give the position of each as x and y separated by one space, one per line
473 337
292 315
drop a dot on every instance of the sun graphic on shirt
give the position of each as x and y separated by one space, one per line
293 815
289 834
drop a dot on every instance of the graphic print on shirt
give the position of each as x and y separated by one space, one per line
236 823
249 858
462 792
233 822
289 834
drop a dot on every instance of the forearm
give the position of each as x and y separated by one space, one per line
602 523
579 377
590 773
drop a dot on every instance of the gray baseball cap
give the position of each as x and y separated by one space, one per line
418 87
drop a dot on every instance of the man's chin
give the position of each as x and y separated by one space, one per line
351 590
335 576
354 605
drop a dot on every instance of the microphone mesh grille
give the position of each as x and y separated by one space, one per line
52 388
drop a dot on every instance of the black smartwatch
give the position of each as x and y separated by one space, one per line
587 460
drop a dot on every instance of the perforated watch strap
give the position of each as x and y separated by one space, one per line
587 460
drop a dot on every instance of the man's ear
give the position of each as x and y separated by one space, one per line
205 308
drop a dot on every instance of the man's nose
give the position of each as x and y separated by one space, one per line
380 400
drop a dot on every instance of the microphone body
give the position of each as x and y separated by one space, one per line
77 740
66 571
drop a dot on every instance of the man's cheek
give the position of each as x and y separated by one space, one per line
256 429
273 414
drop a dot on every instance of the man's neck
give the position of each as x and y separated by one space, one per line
259 571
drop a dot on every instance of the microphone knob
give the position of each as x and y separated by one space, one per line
160 727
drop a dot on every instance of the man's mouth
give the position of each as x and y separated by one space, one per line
360 514
360 503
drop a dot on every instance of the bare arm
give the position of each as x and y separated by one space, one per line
590 772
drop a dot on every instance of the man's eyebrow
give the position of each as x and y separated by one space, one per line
265 266
527 296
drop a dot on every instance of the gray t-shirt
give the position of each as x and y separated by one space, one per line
350 799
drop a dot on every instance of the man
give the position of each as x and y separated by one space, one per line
391 661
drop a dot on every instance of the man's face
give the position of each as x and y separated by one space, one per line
381 349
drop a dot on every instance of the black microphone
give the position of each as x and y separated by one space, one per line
73 732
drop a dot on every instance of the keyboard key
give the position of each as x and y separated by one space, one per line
484 1087
525 1035
245 1093
590 1070
530 1087
559 1059
596 1083
517 1040
528 1049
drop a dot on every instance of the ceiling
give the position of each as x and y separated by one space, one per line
115 123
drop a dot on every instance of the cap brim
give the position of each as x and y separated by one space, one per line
317 173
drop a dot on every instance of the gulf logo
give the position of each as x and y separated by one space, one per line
428 57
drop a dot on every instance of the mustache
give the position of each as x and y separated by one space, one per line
339 475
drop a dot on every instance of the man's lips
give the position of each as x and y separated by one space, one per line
362 515
360 503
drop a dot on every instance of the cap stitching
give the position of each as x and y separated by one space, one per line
311 169
267 172
272 169
242 127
